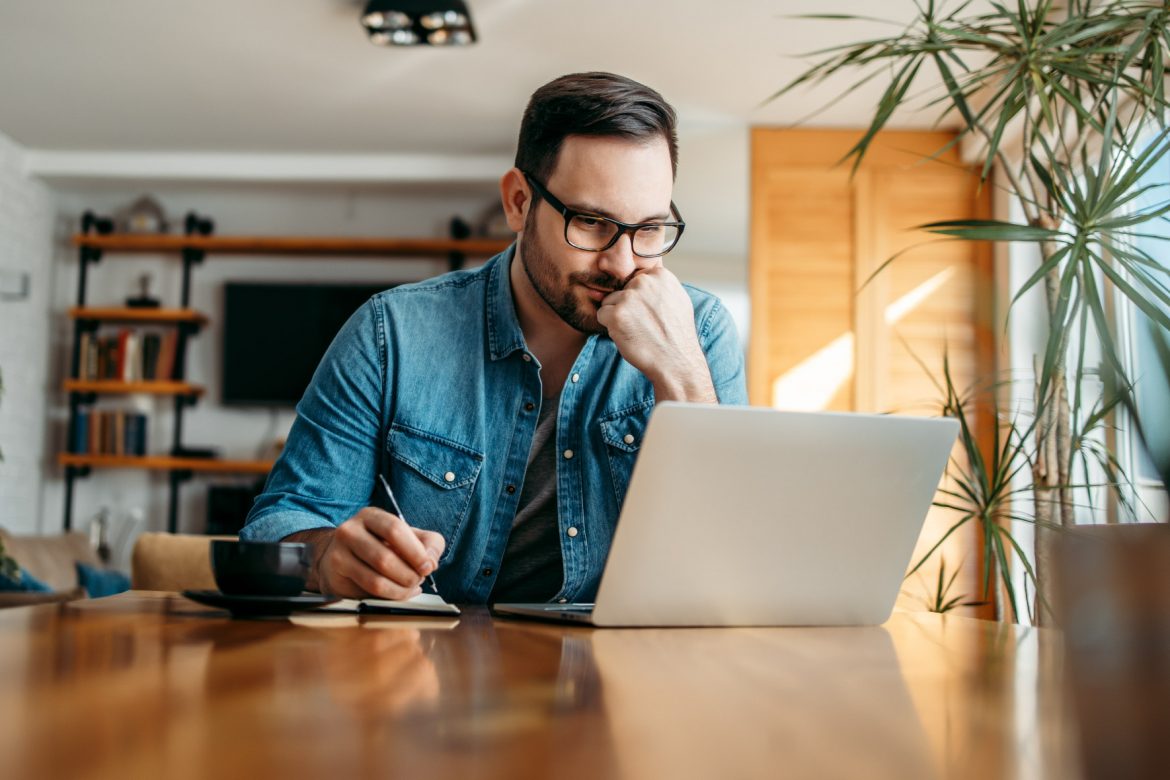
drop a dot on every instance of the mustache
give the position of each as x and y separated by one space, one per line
600 281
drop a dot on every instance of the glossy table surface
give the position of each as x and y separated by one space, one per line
153 685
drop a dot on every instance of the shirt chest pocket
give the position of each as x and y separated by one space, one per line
433 479
622 433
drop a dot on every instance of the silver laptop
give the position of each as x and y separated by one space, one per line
743 516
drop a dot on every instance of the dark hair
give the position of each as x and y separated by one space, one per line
598 104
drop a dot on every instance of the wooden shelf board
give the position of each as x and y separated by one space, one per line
294 245
167 463
123 388
118 314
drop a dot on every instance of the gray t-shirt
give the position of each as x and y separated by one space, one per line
532 569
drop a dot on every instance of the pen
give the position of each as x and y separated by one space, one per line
398 511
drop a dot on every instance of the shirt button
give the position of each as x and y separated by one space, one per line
487 572
572 531
527 357
449 476
576 377
628 438
511 489
528 407
568 454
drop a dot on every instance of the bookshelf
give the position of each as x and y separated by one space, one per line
95 241
118 387
166 463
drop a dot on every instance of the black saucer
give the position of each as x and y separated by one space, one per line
260 606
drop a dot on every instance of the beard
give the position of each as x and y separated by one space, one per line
563 295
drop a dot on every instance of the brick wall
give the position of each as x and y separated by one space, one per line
26 246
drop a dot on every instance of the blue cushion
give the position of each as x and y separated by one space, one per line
101 582
23 582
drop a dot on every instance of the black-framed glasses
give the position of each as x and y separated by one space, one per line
595 233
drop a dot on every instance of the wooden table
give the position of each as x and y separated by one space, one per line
151 685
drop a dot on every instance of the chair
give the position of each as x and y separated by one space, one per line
172 562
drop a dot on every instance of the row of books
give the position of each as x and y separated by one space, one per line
128 356
109 432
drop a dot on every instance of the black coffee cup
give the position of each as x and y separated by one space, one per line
260 568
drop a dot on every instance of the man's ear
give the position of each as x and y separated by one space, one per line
517 199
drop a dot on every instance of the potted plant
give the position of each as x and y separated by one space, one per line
1065 107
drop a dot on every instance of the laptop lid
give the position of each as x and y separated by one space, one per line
751 516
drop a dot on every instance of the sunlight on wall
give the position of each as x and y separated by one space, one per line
810 385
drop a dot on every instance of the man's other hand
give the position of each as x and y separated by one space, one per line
374 553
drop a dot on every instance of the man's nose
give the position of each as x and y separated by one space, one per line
619 261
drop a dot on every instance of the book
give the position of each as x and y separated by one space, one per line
80 443
119 439
423 604
166 356
150 348
84 346
89 359
130 359
135 438
121 364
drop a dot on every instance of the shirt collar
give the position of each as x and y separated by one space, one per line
504 334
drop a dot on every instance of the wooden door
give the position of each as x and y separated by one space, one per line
827 334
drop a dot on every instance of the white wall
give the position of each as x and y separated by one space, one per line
26 241
713 192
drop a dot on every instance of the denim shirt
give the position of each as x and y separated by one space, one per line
432 385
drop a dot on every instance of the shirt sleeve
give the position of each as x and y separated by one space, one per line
720 342
325 473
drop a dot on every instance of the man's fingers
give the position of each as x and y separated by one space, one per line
434 543
369 582
402 540
366 542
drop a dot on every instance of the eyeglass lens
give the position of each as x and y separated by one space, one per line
593 234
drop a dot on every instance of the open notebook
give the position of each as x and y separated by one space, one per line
423 604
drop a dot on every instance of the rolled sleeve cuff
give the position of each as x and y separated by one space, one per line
274 526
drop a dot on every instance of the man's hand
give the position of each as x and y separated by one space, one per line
374 553
652 323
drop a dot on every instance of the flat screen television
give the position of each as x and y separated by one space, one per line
274 336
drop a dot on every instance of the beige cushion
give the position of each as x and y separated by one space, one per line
172 562
51 559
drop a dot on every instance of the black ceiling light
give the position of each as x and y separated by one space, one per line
418 23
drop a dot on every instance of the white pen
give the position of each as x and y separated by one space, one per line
398 511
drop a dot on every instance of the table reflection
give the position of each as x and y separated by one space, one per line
153 686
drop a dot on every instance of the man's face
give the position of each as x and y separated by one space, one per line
630 181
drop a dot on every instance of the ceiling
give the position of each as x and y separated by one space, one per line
298 77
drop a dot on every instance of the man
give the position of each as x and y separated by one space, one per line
505 405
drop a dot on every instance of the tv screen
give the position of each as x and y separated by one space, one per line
274 336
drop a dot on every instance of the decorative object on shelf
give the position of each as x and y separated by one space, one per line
144 215
144 300
418 23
